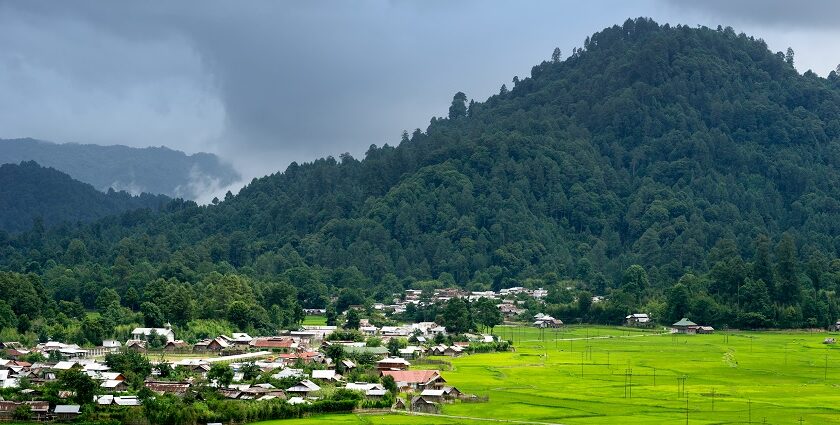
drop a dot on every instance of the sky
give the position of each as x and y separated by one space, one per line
265 83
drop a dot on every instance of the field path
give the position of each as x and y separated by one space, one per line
471 418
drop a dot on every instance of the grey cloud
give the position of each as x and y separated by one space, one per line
264 83
808 14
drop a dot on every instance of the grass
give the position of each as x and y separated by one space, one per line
731 378
315 320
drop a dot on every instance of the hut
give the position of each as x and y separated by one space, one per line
423 405
684 326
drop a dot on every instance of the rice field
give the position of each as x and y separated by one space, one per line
602 375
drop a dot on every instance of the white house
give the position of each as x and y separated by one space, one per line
143 334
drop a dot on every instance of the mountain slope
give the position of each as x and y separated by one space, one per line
684 150
151 170
29 191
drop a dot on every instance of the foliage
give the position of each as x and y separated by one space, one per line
650 154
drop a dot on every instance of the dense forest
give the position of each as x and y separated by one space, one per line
29 192
156 170
673 170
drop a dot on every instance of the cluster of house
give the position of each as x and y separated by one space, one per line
39 410
276 355
508 303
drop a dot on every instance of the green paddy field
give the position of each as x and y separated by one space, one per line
601 375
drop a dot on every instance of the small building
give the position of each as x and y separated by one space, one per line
67 412
326 375
215 344
835 327
304 388
277 344
415 379
399 404
705 330
144 334
546 321
114 385
435 395
411 352
166 387
135 345
684 326
392 363
176 345
637 319
451 392
423 405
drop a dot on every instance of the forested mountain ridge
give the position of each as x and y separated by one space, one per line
30 193
695 153
157 170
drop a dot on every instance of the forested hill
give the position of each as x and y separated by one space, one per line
30 193
157 170
695 153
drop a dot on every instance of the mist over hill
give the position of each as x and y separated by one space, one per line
158 170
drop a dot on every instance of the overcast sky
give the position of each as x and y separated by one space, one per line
264 83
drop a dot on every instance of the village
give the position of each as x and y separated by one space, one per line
384 366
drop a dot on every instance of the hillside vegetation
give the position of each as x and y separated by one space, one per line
675 170
44 197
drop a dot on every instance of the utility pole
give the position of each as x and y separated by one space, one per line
686 410
581 363
749 410
825 370
713 399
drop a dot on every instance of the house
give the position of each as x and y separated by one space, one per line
835 327
39 410
451 392
372 391
109 399
637 319
435 395
109 346
348 364
135 344
392 363
446 350
240 338
166 387
66 412
546 321
368 330
176 345
423 405
684 326
304 387
705 330
287 373
277 344
144 334
215 344
399 404
411 352
114 385
326 375
415 379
